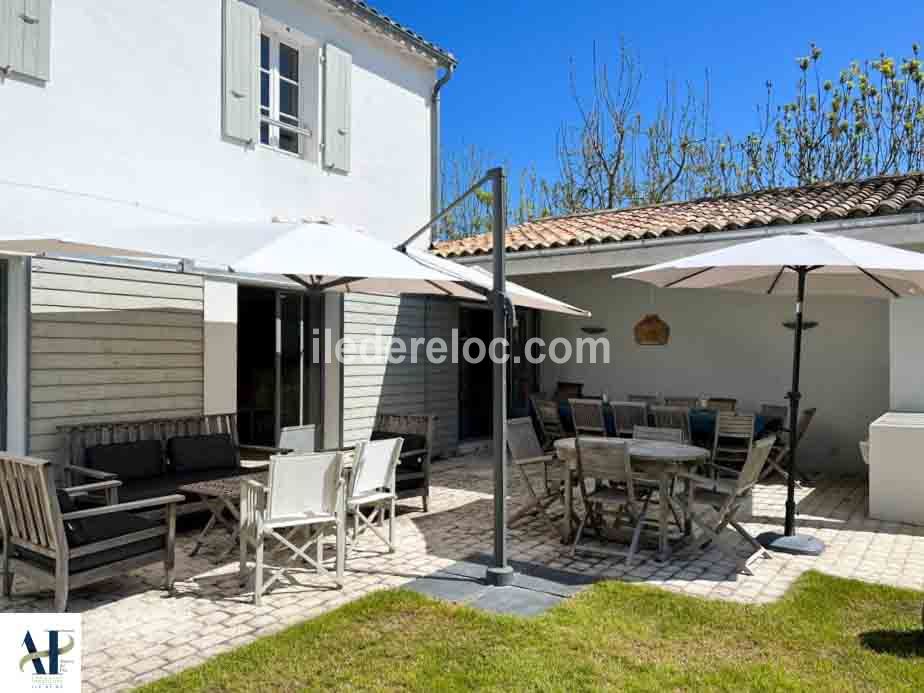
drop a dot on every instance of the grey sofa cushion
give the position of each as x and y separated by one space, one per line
90 530
139 460
200 453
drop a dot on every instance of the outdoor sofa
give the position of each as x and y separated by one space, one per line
155 457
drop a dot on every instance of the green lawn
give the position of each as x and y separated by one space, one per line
827 634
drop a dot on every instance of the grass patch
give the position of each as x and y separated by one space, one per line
826 634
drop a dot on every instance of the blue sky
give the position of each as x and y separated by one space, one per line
511 91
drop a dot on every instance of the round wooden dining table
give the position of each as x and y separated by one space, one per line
661 460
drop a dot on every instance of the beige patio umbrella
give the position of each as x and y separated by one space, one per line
321 256
794 263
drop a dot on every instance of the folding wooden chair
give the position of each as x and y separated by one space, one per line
548 416
779 454
669 435
587 416
620 499
670 416
526 454
628 415
372 487
726 404
725 497
305 492
644 399
734 435
682 401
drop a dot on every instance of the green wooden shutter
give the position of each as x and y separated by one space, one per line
25 37
241 62
338 69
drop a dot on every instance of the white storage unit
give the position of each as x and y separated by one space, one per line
896 468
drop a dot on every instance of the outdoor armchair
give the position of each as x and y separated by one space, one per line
46 537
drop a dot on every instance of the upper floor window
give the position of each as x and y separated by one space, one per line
279 94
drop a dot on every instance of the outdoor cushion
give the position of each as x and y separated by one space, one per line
138 460
198 453
412 441
170 483
93 529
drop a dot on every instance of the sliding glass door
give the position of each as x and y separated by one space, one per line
277 377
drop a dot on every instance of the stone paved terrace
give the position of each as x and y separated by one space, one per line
135 632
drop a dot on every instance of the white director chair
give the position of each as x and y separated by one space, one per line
372 488
304 494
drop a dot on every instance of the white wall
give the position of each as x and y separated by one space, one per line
733 344
17 385
219 346
907 347
129 127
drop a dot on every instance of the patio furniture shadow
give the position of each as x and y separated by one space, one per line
906 644
466 530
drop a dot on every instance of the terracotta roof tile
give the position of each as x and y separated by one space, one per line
801 205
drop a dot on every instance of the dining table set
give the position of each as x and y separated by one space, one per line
663 462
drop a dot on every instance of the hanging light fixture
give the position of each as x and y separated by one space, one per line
652 331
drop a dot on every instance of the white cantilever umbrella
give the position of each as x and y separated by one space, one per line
319 255
792 264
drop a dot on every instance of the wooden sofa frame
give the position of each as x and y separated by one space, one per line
71 464
412 424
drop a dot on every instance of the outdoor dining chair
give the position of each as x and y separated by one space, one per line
587 416
628 415
620 499
548 415
304 492
688 402
670 416
527 455
45 536
667 435
776 462
298 438
727 404
644 399
778 412
372 488
565 390
734 436
725 497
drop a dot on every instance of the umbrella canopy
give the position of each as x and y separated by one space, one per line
319 255
838 265
477 277
796 263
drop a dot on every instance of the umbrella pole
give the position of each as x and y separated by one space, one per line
794 397
500 573
790 542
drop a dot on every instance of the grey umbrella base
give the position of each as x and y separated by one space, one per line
796 544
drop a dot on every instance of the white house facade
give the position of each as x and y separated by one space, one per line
123 114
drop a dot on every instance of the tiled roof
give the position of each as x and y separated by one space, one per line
365 12
800 205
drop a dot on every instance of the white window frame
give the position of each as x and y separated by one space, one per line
278 33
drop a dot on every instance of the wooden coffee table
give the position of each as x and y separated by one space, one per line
222 497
